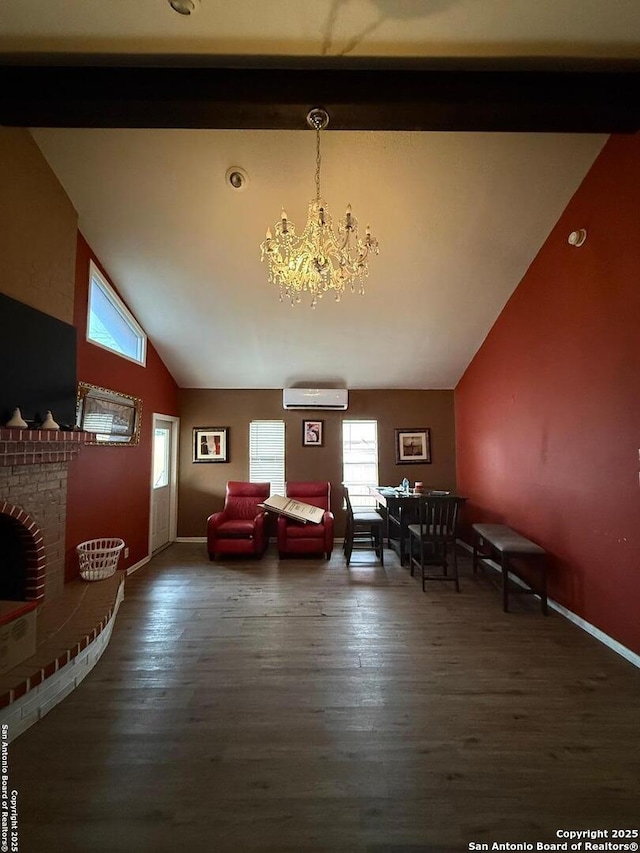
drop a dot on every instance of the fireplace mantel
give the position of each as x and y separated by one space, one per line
38 446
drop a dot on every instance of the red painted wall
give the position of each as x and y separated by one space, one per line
109 487
548 412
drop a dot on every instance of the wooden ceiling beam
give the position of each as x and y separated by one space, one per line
276 93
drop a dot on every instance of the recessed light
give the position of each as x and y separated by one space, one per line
577 238
185 7
237 178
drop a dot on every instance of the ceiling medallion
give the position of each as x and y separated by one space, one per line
319 260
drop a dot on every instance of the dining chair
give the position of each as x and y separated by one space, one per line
364 530
434 536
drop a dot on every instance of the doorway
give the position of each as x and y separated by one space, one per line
164 469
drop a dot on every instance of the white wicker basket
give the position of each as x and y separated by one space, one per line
99 558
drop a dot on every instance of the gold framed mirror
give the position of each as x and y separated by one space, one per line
112 417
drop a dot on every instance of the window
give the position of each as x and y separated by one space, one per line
360 460
161 436
266 454
110 324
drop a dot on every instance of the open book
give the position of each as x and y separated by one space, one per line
294 509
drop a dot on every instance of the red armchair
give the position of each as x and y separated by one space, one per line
240 528
297 538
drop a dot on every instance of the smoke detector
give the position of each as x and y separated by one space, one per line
185 7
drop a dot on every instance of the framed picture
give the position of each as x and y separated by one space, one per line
312 433
211 444
413 446
113 418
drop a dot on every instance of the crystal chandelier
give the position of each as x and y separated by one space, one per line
319 259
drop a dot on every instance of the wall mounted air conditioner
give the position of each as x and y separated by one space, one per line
315 398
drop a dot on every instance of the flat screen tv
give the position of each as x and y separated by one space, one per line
37 365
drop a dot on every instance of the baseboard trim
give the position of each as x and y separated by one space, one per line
138 565
198 539
599 635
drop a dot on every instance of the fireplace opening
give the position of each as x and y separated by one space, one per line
13 560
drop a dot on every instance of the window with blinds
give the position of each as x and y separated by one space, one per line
266 454
360 460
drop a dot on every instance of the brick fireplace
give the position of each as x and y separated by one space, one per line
51 633
33 503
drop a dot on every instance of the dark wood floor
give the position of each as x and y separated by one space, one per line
300 706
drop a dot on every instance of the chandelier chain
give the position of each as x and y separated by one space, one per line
318 161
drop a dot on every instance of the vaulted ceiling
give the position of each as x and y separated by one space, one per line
492 116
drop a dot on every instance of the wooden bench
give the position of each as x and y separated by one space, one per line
505 542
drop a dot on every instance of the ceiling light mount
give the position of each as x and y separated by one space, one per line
318 119
319 259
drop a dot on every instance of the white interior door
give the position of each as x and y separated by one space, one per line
163 482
